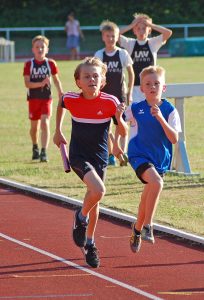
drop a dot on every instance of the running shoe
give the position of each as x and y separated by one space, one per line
36 154
43 156
147 234
111 160
79 230
135 240
124 162
91 255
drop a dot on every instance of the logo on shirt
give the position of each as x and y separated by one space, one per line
39 72
140 112
113 66
141 56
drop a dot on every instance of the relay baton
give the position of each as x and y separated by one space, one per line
65 158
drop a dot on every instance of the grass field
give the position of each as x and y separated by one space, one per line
182 200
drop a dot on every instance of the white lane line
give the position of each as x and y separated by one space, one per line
106 211
46 296
69 263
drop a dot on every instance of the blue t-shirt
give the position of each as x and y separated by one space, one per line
149 142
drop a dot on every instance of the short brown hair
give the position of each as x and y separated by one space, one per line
90 61
109 26
152 69
41 38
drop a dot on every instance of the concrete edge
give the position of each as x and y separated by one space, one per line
105 211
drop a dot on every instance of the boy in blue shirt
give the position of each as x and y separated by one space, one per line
155 126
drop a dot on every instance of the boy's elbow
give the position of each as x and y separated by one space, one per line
175 139
170 32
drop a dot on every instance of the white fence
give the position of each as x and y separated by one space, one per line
7 50
179 92
42 30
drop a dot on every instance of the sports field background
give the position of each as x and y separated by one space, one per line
182 200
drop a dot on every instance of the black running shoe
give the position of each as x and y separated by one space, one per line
79 230
36 153
43 156
135 240
91 255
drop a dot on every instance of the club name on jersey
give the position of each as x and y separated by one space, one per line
113 66
40 72
141 56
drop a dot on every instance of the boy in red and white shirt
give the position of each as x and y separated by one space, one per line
37 77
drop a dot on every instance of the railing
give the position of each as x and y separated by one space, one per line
42 30
181 91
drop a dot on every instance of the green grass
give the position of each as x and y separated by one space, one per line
182 200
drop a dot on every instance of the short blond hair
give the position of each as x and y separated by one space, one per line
141 15
91 61
151 70
41 38
109 26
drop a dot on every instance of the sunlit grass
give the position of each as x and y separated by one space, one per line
182 200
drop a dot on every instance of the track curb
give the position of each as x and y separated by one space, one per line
105 211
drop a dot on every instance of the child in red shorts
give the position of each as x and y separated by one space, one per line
37 77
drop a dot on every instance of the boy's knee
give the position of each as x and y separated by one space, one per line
158 183
99 192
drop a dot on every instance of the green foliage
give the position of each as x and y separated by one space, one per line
29 13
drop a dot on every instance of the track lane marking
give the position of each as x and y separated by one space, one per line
45 296
70 263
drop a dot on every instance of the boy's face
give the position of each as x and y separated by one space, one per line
153 85
141 31
39 50
110 38
90 80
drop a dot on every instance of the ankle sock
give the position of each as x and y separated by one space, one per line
137 232
82 218
90 241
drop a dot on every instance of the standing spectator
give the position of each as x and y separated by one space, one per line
118 61
72 28
143 49
37 77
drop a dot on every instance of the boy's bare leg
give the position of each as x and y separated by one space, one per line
110 144
123 143
152 192
93 219
141 209
45 131
95 191
34 131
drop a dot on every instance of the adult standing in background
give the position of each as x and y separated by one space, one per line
72 28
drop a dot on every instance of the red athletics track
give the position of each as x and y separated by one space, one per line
40 261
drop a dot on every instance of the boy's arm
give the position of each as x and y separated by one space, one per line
58 137
58 85
170 132
128 27
121 130
163 30
34 85
80 32
122 125
131 78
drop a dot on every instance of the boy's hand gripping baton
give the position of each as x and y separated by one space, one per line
65 158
